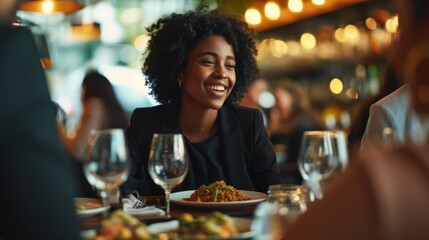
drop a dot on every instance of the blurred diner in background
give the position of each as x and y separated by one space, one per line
353 69
255 97
386 191
101 110
290 116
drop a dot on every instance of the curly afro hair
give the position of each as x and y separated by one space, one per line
173 37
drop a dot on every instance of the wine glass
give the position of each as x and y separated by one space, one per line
107 164
168 163
318 158
340 139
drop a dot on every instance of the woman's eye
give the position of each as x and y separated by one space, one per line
208 62
230 66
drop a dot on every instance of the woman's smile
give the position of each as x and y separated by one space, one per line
209 76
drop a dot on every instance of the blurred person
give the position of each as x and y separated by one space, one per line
198 65
393 121
35 177
289 118
385 194
252 96
359 123
392 112
101 110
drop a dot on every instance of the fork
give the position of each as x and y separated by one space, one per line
138 202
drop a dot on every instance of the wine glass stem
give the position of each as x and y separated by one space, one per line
167 202
104 200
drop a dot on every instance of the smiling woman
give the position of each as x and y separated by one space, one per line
198 65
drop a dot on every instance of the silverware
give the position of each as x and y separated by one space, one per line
139 203
136 199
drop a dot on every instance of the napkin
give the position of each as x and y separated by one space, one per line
128 203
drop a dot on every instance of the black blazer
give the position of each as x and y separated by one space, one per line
245 144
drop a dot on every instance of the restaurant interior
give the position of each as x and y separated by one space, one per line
338 50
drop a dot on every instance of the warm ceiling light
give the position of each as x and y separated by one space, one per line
308 41
278 48
351 32
253 16
391 24
50 6
318 2
336 86
272 10
295 6
340 35
85 32
370 23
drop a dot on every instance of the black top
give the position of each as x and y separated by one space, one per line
211 168
241 152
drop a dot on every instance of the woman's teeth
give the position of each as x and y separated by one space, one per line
216 87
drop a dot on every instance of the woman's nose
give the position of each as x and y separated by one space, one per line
220 73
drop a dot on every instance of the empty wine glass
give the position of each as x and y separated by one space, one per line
340 139
168 163
318 158
107 164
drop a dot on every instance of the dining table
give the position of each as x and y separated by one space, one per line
176 210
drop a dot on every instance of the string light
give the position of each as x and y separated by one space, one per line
272 10
253 16
308 41
318 2
295 6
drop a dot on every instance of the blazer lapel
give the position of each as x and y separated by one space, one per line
232 145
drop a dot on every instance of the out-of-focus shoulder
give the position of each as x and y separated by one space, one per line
399 95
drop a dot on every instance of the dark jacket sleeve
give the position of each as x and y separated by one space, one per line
261 165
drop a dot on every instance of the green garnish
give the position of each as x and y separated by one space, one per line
215 189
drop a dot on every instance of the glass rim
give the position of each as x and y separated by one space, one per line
323 132
166 134
287 187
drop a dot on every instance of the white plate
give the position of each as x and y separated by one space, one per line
256 197
92 206
240 223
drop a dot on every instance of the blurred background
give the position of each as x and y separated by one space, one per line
337 50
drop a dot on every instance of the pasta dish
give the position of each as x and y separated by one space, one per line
216 192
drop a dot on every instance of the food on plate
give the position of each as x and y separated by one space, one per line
217 224
79 206
120 225
216 192
82 204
